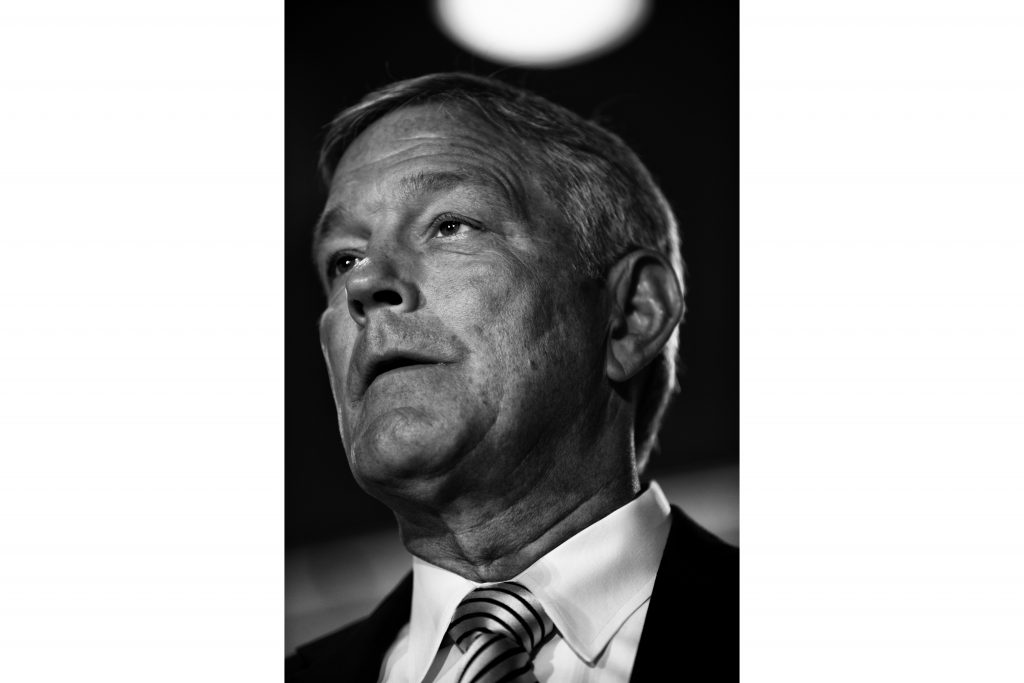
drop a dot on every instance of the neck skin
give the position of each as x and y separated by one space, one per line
489 536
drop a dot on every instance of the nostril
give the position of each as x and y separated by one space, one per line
362 302
387 296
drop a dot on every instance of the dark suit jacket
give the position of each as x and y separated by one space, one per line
691 630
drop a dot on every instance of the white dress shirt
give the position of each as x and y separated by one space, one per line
596 587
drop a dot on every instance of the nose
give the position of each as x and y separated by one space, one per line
376 284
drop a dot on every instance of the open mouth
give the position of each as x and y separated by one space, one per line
369 366
386 365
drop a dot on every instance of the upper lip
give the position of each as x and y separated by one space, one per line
372 365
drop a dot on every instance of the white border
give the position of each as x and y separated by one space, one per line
141 370
882 157
141 376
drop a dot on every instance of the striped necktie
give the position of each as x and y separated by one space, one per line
499 629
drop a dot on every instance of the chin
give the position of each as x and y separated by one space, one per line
406 446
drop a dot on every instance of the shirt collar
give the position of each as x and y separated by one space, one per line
436 592
589 585
592 582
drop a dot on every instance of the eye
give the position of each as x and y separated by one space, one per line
341 263
452 227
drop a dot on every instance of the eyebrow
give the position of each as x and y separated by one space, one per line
438 181
424 182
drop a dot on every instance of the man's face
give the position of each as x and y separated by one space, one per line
462 349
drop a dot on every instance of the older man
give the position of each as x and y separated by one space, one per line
504 295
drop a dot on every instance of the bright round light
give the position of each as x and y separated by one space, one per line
542 33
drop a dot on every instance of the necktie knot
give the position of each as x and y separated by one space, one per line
499 628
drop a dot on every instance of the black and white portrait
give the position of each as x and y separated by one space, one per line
512 351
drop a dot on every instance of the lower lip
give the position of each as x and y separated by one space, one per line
403 369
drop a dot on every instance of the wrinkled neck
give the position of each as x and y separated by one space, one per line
495 538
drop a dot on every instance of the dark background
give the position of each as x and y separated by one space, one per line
672 92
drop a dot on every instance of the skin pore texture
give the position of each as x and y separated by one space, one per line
483 387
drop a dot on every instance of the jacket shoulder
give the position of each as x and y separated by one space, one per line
692 623
701 569
699 548
355 652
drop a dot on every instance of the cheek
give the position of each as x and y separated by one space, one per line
519 315
336 345
473 296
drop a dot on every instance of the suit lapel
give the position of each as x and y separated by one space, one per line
381 628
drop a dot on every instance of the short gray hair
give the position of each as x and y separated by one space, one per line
597 182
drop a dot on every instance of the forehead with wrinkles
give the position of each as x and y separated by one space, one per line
458 144
432 130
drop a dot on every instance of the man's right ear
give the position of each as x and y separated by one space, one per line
647 305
